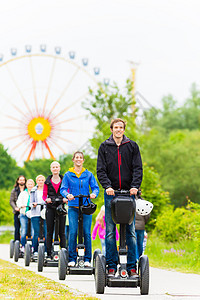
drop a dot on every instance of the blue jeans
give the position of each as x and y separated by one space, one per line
35 223
111 247
73 230
24 228
103 246
139 241
17 226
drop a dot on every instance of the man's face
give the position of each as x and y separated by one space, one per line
118 130
21 181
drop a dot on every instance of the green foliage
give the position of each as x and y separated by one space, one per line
170 117
6 215
9 170
109 103
33 168
176 158
153 192
179 224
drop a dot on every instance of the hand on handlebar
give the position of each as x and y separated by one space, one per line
65 200
133 191
70 197
92 196
48 200
110 192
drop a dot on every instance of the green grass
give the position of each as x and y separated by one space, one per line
173 256
6 237
18 283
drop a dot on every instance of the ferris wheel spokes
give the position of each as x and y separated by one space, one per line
49 84
18 89
34 85
64 91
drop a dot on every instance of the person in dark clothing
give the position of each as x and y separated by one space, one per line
18 188
51 191
140 222
119 167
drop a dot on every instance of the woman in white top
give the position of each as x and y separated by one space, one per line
23 203
35 199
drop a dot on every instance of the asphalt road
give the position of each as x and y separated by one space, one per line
163 284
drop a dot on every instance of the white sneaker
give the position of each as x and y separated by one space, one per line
87 264
71 264
35 255
22 249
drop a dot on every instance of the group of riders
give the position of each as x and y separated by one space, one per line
119 167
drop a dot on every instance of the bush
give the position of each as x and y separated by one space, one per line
6 215
179 224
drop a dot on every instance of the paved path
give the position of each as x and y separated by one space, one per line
163 284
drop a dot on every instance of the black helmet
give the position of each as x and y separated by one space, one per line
88 209
61 210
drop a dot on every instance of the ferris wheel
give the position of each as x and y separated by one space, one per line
41 93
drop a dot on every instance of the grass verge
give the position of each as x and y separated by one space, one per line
18 283
179 256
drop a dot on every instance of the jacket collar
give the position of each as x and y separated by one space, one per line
110 140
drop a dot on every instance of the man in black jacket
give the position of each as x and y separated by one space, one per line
119 167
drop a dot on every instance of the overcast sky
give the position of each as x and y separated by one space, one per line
163 36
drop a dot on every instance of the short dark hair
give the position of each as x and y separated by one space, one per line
16 182
77 152
116 121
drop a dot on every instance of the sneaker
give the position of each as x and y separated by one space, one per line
111 273
132 273
71 264
87 264
22 249
35 255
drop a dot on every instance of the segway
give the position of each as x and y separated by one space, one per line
42 261
123 209
79 268
12 245
28 253
17 246
28 245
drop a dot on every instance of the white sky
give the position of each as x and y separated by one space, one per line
163 36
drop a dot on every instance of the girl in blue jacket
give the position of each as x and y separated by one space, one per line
75 182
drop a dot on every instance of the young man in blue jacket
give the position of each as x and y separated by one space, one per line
75 182
119 167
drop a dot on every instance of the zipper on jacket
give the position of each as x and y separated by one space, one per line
119 164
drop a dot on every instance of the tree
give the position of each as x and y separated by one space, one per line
33 168
177 160
170 117
9 170
108 103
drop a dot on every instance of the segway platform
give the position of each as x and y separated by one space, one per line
123 282
80 271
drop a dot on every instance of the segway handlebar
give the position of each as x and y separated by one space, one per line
82 196
122 191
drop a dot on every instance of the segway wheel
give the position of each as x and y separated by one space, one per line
144 275
12 244
16 251
96 252
27 255
40 261
62 264
99 275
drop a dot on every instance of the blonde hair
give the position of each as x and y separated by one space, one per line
31 181
53 162
39 177
100 216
